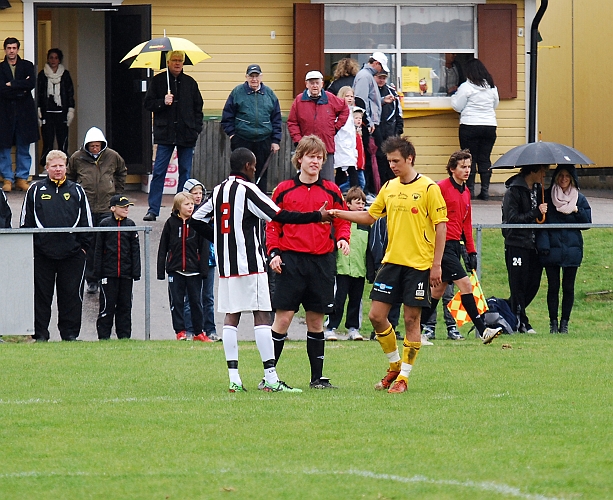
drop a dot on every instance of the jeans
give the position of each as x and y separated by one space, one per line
361 182
162 158
23 162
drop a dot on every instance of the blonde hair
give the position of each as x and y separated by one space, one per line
342 92
179 53
179 199
346 67
307 145
53 154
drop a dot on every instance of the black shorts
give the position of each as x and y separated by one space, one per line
305 279
451 264
394 284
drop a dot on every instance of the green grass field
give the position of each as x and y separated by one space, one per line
154 420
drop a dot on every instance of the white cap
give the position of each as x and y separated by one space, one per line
314 75
382 58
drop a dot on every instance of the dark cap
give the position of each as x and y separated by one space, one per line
119 200
253 68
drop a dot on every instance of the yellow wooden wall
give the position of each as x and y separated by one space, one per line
11 24
574 80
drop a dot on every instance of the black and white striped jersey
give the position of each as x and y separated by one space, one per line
237 207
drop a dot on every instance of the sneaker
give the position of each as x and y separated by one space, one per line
373 335
150 217
262 384
202 338
424 340
354 334
322 383
214 337
330 335
236 388
454 334
370 198
387 381
280 386
181 335
398 387
428 331
490 334
92 287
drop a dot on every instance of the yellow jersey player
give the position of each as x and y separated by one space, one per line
416 221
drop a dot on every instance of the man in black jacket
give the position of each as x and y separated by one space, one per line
392 123
522 205
59 258
18 121
176 104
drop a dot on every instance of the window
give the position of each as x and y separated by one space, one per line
419 42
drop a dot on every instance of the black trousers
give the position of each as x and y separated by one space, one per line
54 128
67 276
89 258
524 270
178 286
261 150
115 302
347 286
553 290
479 139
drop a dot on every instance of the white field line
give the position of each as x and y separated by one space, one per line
501 489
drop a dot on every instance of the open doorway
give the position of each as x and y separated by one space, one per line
108 94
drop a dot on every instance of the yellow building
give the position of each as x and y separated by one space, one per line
285 39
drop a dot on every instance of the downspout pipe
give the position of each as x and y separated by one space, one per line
534 30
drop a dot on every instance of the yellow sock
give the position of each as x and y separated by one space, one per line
387 340
409 354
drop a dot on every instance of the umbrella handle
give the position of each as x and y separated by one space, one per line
542 218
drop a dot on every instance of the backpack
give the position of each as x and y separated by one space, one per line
499 314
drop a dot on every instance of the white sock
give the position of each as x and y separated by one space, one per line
393 356
230 347
263 339
405 370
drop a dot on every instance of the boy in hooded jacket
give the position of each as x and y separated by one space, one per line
117 266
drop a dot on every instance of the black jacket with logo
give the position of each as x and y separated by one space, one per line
48 205
117 255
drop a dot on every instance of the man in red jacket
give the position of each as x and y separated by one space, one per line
459 227
304 256
320 113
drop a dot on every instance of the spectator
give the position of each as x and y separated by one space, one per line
304 257
5 212
59 258
181 255
452 75
18 124
476 100
520 205
391 124
117 266
412 259
56 104
238 207
176 104
562 249
320 113
101 172
344 74
350 275
252 119
345 149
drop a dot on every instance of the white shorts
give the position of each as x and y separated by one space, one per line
243 293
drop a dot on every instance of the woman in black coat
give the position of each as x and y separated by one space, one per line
562 249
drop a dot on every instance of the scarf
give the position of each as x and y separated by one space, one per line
53 83
564 201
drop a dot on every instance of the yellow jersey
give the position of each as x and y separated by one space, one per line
412 210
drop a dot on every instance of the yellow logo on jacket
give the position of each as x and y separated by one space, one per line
45 197
66 196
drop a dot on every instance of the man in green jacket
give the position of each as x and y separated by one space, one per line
101 172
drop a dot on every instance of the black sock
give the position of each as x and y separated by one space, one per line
426 312
468 301
315 351
278 342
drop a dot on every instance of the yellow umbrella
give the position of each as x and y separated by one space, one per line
152 54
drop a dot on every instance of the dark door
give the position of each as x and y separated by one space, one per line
128 124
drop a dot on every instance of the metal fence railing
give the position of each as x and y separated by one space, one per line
146 230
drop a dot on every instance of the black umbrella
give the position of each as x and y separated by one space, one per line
541 153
